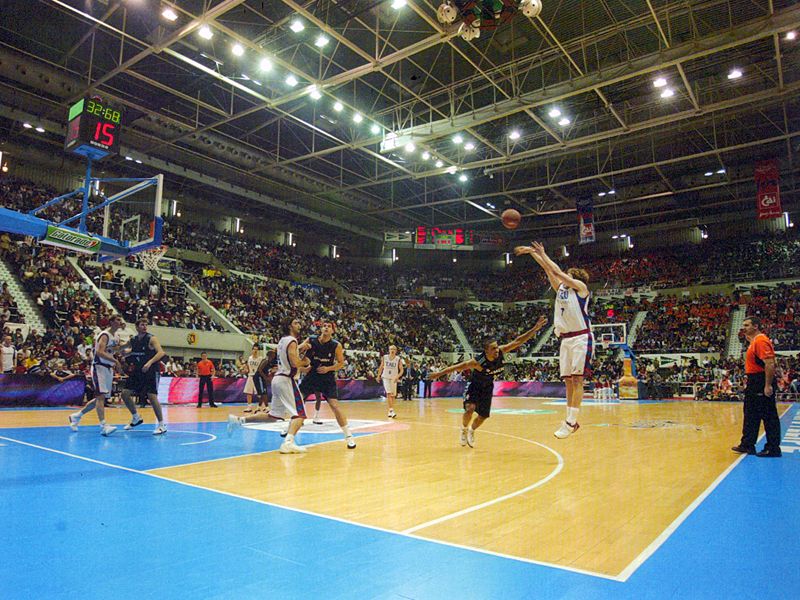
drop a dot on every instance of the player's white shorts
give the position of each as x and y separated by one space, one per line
103 379
390 385
250 386
575 357
286 396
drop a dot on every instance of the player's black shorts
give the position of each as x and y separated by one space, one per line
481 397
143 383
325 386
261 385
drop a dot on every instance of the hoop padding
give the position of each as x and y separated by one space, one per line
151 257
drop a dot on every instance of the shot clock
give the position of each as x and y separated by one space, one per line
93 129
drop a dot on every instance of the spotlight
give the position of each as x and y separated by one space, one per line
169 14
410 147
457 139
205 32
398 4
297 26
237 50
291 80
667 93
426 155
659 82
601 194
439 164
357 118
469 146
338 107
321 41
791 36
514 135
721 172
27 125
462 178
564 122
265 64
708 173
554 113
40 129
315 93
452 169
375 130
611 192
735 73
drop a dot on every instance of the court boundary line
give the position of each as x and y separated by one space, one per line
559 467
651 549
319 515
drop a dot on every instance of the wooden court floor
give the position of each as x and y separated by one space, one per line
594 502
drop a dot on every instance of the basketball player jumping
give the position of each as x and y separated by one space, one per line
327 357
485 366
105 361
573 328
390 370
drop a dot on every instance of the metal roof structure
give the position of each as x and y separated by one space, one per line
354 121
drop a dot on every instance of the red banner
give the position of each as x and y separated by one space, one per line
768 190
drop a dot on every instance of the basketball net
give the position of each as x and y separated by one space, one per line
151 257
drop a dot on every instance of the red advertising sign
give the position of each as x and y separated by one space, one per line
768 191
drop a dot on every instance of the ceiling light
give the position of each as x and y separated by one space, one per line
452 169
659 82
462 177
205 32
735 73
514 135
237 49
439 164
490 205
291 80
40 129
426 155
338 107
27 125
611 192
314 93
357 118
721 172
791 36
265 64
667 93
564 122
138 162
469 146
321 41
398 4
554 113
169 14
128 158
457 139
601 194
375 129
297 26
614 237
708 173
410 147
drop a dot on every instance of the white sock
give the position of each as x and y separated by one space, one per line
77 415
289 438
103 423
316 415
135 415
572 415
346 430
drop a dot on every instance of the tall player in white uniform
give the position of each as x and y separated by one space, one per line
573 328
285 391
253 361
106 344
390 370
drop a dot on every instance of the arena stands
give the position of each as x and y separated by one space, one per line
779 308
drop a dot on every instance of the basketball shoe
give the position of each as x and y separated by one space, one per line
291 448
463 436
74 419
471 437
160 429
106 430
566 430
137 420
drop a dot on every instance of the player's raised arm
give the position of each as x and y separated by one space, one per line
565 278
521 339
462 366
551 276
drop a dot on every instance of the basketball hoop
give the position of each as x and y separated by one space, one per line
151 257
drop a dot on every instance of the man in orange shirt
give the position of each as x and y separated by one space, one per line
206 370
759 396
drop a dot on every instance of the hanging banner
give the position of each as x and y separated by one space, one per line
585 210
768 192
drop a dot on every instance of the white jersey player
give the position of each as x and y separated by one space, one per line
106 345
573 328
253 361
390 370
285 392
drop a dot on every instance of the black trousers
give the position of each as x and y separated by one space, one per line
205 380
427 390
757 408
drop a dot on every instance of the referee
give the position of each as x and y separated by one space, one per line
759 396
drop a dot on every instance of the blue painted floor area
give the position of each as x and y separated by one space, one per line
140 449
72 528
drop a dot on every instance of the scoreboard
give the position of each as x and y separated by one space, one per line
93 129
437 238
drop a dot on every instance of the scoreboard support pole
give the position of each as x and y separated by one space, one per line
87 189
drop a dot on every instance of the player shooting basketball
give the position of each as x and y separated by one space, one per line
573 328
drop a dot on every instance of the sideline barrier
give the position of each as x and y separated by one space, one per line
39 390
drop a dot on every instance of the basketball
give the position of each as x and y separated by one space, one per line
511 218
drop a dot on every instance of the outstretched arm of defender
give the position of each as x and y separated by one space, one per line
467 364
519 340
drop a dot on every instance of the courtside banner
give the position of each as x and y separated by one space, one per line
768 189
71 240
39 390
585 210
526 389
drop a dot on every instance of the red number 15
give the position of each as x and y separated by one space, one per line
107 130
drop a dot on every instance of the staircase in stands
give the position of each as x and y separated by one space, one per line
27 307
